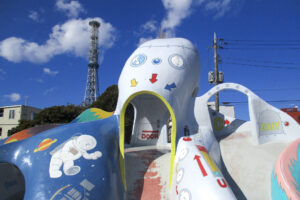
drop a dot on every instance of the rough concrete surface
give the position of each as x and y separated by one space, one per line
250 165
147 173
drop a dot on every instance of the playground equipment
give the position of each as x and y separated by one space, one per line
179 147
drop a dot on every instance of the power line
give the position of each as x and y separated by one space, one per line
263 66
265 89
238 48
260 61
261 40
273 101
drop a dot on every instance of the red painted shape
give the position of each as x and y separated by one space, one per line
154 78
187 139
223 184
149 185
226 122
201 148
286 123
150 136
150 131
177 189
204 173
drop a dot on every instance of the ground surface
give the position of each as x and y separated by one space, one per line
250 165
147 173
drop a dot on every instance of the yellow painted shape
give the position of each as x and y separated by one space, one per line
133 83
45 145
101 114
210 162
218 123
122 134
262 127
268 127
277 125
10 141
58 191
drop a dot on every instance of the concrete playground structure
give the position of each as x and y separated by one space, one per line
179 147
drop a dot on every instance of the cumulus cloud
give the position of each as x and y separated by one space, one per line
150 26
70 37
49 71
178 10
50 90
220 7
71 8
34 16
13 97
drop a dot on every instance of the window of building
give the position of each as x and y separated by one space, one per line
11 114
0 132
32 115
1 112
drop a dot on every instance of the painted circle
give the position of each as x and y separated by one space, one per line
218 123
180 174
176 61
138 60
185 195
156 61
187 139
286 123
183 153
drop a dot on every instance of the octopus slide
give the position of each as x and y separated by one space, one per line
178 148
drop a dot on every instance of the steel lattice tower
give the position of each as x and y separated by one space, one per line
92 85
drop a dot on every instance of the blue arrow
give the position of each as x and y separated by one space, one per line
170 87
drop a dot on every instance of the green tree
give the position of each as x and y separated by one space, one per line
51 115
108 99
58 114
65 114
23 124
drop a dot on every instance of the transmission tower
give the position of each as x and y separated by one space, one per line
92 85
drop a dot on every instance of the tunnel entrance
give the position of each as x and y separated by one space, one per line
150 123
12 182
147 159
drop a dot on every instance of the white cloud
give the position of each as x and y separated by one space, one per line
34 16
71 8
70 37
49 90
220 7
13 97
178 10
49 71
150 26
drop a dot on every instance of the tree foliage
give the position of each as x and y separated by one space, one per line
65 114
108 100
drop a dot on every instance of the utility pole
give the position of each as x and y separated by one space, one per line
216 71
216 77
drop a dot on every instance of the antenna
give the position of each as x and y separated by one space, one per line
92 84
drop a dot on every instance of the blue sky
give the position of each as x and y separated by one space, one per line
44 45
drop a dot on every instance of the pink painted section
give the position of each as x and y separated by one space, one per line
148 184
282 170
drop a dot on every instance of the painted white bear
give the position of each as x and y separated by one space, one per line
71 150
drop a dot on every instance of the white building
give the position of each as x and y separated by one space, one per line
10 116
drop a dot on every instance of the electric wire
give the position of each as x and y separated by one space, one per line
262 66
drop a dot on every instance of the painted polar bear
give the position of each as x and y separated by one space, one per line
71 150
